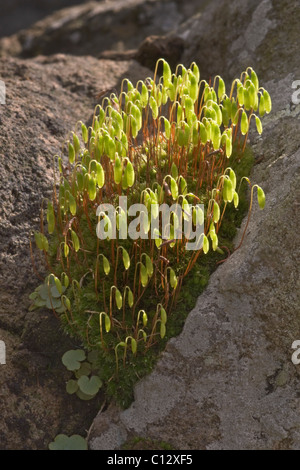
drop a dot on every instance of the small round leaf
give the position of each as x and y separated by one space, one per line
72 359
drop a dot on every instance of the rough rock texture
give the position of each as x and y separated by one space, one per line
44 99
154 47
19 14
94 27
228 382
230 35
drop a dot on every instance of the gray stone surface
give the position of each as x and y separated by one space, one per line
228 382
19 14
94 27
44 99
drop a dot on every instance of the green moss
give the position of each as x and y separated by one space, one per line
126 311
142 443
121 389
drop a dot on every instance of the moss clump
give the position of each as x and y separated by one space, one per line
176 142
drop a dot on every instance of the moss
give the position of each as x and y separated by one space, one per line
163 284
142 443
121 389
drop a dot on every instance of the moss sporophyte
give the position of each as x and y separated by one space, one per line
173 140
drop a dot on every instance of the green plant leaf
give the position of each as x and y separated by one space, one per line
72 359
85 369
43 291
71 387
89 386
53 303
84 396
63 442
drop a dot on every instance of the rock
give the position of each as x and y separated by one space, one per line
94 27
227 381
150 50
260 33
20 14
154 47
44 99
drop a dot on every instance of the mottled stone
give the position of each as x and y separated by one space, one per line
227 381
44 99
94 27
